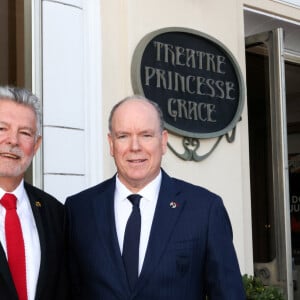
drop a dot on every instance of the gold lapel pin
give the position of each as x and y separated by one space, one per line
38 204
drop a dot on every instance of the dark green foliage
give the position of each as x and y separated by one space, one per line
256 290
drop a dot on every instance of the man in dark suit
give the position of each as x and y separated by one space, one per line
185 248
32 241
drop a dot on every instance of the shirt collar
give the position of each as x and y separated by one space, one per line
18 192
149 192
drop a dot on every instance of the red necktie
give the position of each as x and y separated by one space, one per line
15 245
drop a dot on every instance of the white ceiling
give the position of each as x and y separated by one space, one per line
256 23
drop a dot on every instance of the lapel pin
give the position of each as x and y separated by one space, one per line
173 204
38 204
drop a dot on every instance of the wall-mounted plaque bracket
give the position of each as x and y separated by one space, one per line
192 145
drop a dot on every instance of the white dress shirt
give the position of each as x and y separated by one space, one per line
123 208
30 236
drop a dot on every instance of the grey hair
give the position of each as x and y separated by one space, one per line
24 97
141 98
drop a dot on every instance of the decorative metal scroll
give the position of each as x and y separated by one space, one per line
191 145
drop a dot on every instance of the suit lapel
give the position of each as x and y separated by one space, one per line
5 272
34 199
168 209
104 215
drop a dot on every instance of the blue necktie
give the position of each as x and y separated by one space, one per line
132 241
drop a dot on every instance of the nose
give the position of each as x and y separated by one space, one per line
135 143
12 138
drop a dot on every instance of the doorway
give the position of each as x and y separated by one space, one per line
15 48
273 97
292 69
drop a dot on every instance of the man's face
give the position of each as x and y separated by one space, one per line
18 142
136 143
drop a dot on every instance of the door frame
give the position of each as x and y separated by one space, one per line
274 43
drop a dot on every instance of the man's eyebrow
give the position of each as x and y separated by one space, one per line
21 127
32 130
121 132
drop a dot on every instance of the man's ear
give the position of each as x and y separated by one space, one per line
164 141
111 144
37 144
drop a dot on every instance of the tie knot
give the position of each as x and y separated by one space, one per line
135 199
9 201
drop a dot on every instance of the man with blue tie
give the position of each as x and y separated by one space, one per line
142 234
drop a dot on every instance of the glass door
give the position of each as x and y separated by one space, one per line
292 71
266 97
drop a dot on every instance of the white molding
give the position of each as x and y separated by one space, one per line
37 85
271 15
93 91
292 3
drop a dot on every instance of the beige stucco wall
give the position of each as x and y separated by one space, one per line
226 171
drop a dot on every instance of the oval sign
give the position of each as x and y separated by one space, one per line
194 79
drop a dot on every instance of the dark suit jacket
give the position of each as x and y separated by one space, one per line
189 254
49 217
